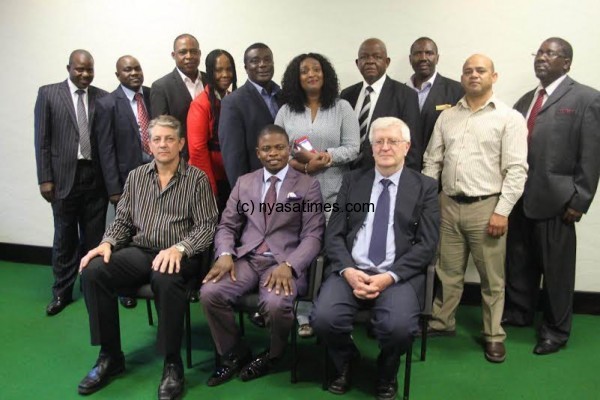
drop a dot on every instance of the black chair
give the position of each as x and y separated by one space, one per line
249 304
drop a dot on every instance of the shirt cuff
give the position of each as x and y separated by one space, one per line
396 278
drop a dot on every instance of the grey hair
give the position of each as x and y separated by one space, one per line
166 121
387 123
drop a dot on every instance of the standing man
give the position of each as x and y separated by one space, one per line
173 93
246 111
479 150
68 171
436 93
563 119
270 251
166 217
121 130
380 96
378 264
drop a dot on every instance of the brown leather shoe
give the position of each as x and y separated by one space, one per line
495 352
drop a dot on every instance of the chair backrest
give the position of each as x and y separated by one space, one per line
315 278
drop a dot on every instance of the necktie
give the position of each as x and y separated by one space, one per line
380 225
363 117
271 199
143 122
82 123
534 112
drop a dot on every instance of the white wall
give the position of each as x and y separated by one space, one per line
37 37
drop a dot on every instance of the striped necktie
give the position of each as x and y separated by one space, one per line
363 117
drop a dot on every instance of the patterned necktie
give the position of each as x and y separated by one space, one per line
363 117
143 122
271 199
534 112
82 123
380 225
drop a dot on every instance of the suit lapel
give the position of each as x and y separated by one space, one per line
257 98
361 195
256 193
406 196
434 92
67 99
124 104
353 94
382 100
523 105
560 91
182 86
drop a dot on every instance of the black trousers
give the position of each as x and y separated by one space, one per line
534 248
79 222
131 267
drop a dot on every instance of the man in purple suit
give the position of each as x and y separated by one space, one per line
270 250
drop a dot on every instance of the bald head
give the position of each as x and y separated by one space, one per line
372 61
129 72
480 59
478 77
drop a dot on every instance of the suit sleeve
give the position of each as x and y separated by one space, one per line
104 130
231 224
158 100
587 169
425 242
43 137
411 115
232 139
198 133
337 230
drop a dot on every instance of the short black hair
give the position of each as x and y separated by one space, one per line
294 95
77 52
565 46
184 35
272 129
257 45
424 39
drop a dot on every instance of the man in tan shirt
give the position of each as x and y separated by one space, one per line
479 149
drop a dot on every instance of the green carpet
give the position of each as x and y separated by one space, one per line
45 357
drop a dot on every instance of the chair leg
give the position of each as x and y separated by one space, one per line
241 322
407 365
424 321
294 370
149 308
188 336
326 363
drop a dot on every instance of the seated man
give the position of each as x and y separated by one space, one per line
165 218
269 250
379 256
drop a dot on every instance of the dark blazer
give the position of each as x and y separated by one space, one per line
444 92
118 136
564 152
395 100
57 136
416 224
243 115
170 96
293 234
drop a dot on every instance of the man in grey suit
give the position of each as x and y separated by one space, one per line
173 93
246 111
436 93
68 171
270 250
563 120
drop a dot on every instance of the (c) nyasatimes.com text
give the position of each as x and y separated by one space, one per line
251 207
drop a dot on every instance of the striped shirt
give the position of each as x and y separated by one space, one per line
184 212
480 152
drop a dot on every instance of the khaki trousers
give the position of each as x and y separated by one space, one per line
463 230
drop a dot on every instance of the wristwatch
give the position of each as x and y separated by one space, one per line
179 247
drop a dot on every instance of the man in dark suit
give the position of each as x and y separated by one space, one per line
68 171
121 130
246 111
269 250
563 119
378 257
380 96
173 93
435 92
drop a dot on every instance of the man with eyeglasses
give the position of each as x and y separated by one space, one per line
478 149
380 96
378 257
563 120
173 93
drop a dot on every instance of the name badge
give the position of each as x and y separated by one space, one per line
442 107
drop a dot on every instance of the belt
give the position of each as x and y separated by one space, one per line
468 200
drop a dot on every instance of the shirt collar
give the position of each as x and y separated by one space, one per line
551 87
427 83
73 89
182 168
275 87
491 101
130 93
395 177
377 85
281 174
187 79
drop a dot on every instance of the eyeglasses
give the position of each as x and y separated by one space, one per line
391 142
549 54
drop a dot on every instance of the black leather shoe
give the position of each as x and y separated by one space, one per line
547 346
512 321
128 302
386 389
57 305
171 384
258 367
257 319
341 383
105 368
229 367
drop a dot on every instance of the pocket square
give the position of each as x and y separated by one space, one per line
566 111
442 107
291 196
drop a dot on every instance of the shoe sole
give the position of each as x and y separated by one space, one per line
86 391
494 359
